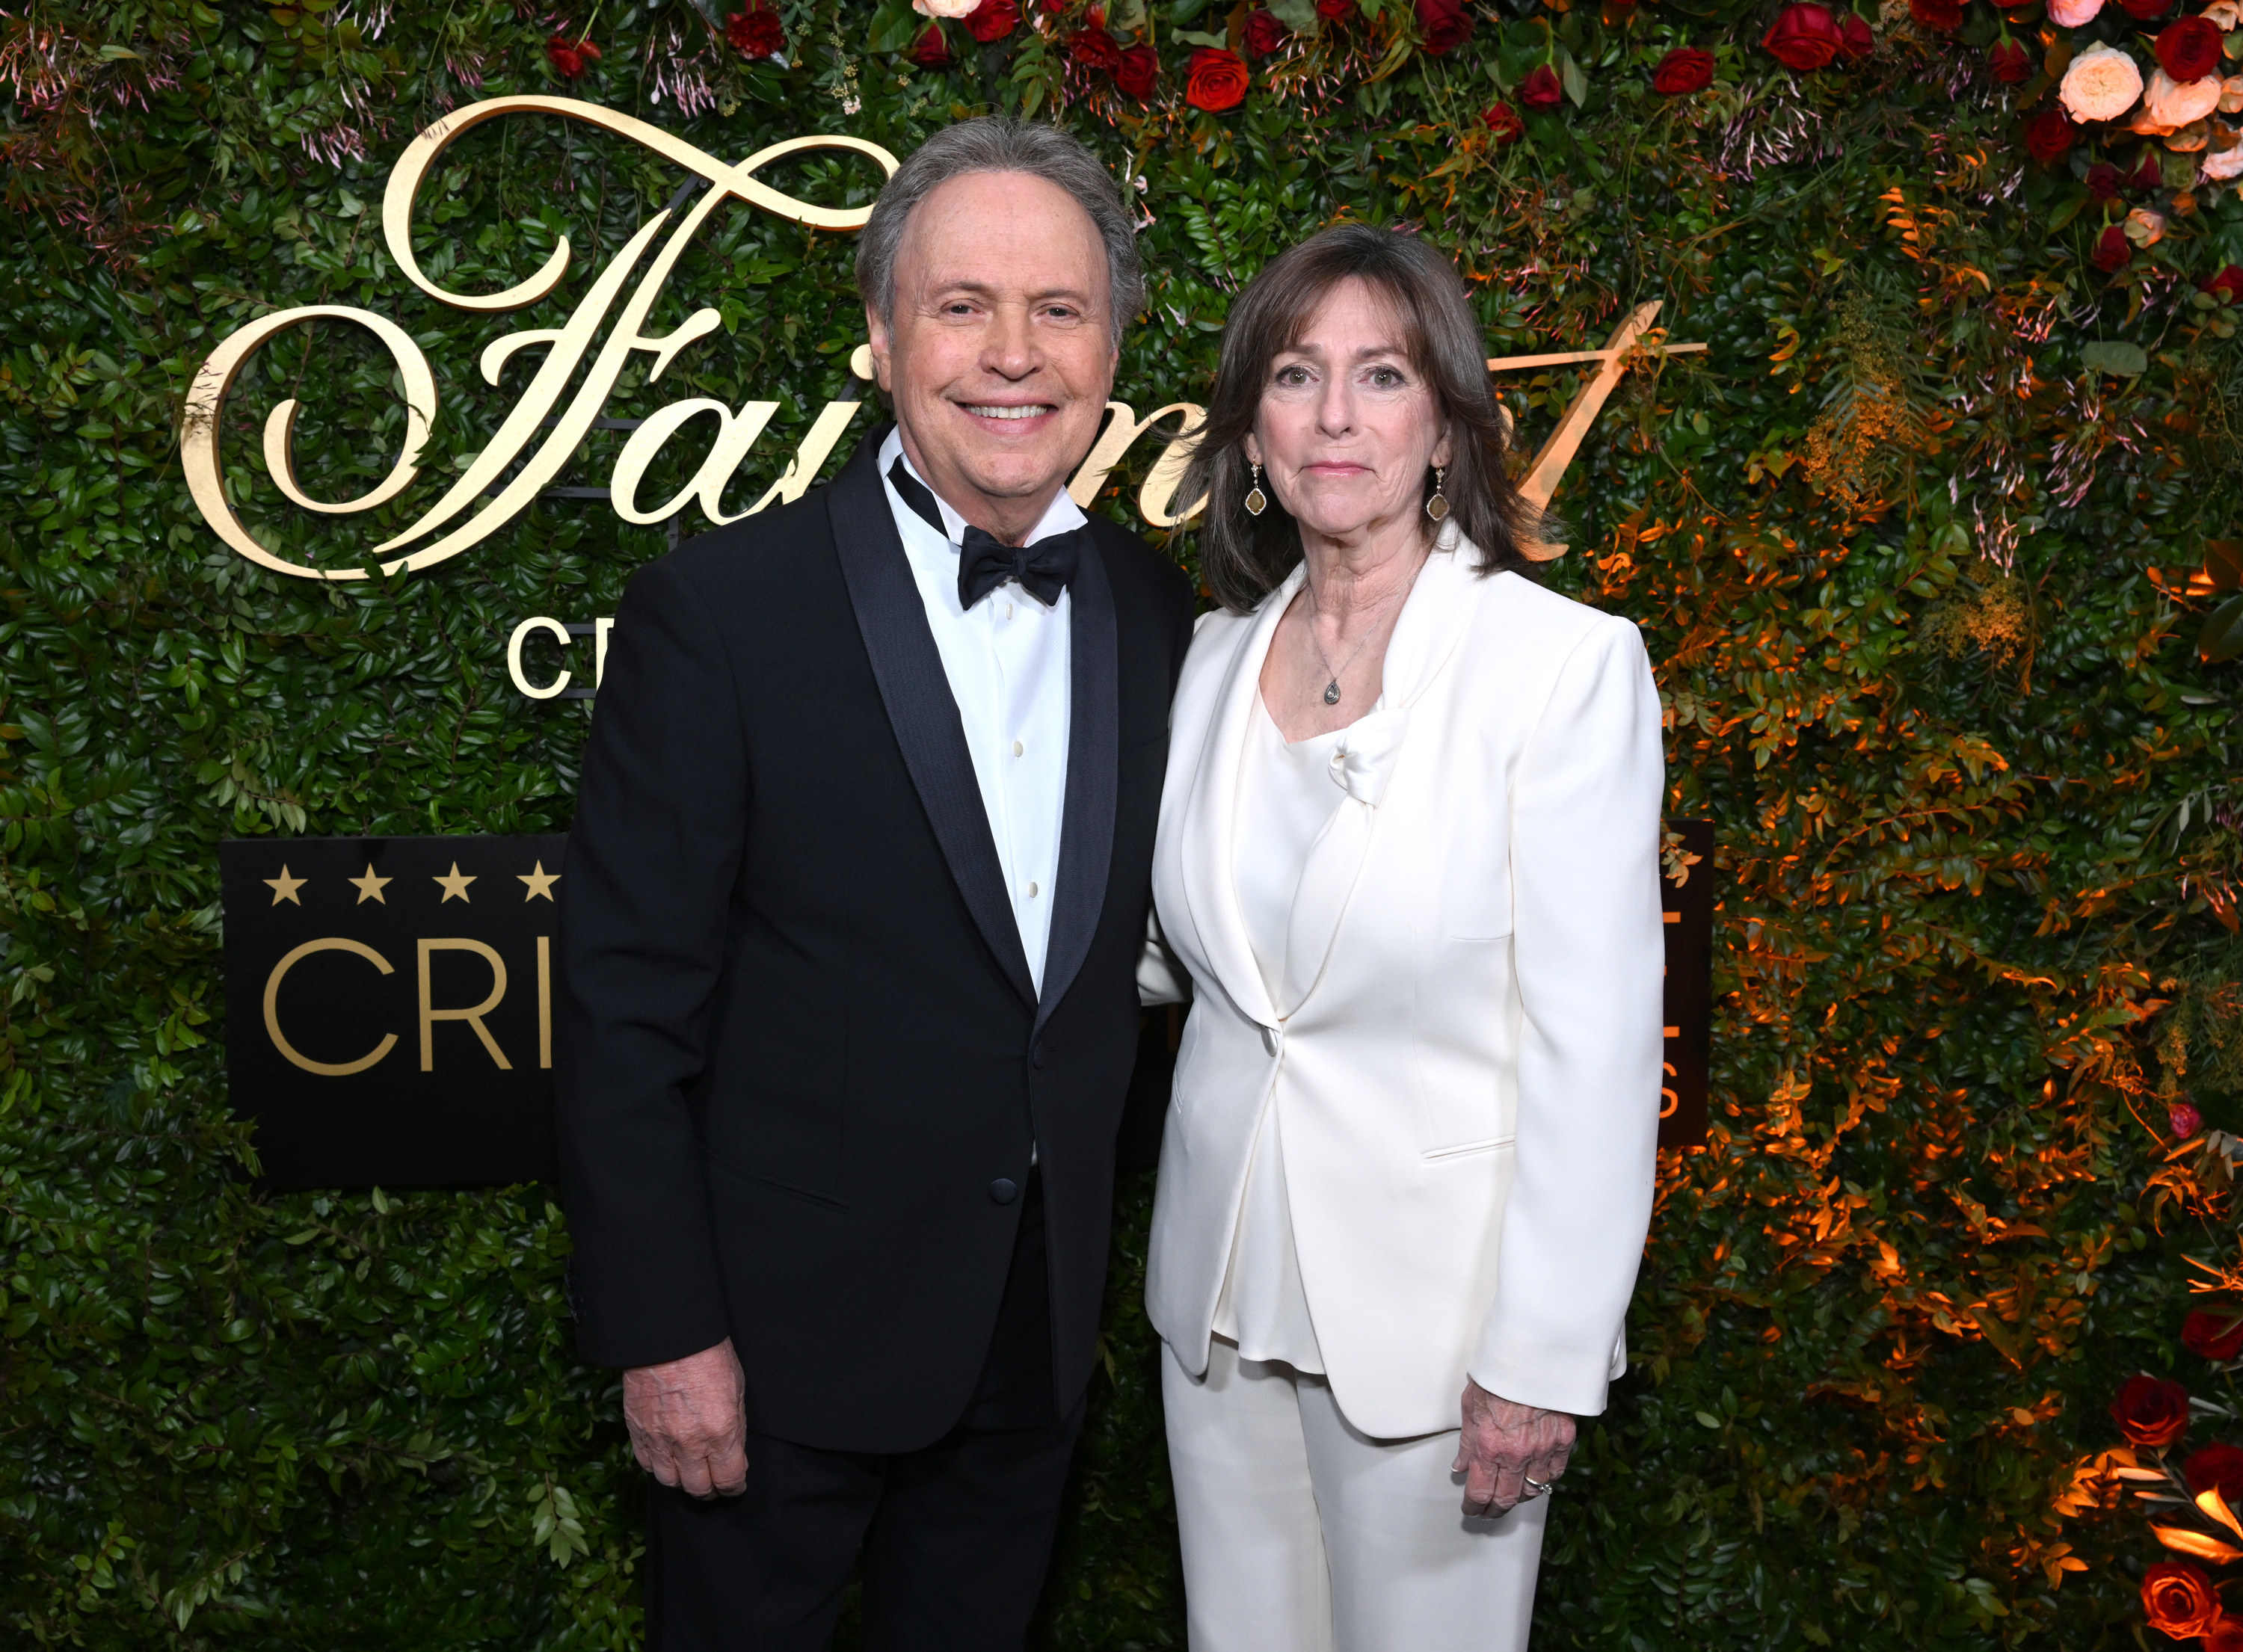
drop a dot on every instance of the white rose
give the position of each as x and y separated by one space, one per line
2101 85
2170 104
946 8
2074 14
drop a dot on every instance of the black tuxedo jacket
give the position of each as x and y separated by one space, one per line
798 1049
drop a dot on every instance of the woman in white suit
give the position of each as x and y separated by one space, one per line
1408 856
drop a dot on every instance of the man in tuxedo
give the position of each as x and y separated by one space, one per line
857 888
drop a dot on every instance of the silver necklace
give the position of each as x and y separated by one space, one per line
1331 688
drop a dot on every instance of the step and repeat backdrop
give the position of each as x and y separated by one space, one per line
1880 364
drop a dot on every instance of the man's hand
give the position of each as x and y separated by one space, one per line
1504 1446
688 1422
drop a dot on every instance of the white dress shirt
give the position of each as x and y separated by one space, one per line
1008 661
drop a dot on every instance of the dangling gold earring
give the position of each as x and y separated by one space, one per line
1256 500
1437 506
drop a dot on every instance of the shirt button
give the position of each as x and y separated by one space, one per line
1019 749
1008 610
1004 1191
1032 891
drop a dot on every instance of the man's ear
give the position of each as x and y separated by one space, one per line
876 330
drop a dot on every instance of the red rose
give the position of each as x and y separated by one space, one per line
2147 10
1139 69
2150 173
1216 80
2009 62
933 50
1444 24
1940 15
1503 121
2215 1466
754 32
570 57
1806 37
1854 39
1683 70
1093 48
2189 49
2183 1120
2112 253
2226 1635
2150 1411
2179 1599
2047 136
1540 88
2105 181
2228 285
1336 10
2215 1333
1262 35
993 20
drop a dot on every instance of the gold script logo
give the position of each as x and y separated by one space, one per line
540 442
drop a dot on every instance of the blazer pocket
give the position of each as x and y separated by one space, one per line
1475 900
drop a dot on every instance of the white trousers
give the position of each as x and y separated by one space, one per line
1301 1535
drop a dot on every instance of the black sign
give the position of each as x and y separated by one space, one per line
1687 894
389 1007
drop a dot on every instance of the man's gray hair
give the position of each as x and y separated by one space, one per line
1001 144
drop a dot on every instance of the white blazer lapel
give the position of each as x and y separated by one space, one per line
1433 621
1211 822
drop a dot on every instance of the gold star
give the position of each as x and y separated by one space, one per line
456 885
284 887
369 887
541 882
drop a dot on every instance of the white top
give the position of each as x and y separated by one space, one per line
1286 796
1007 663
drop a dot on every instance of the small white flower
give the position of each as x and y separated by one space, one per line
2101 85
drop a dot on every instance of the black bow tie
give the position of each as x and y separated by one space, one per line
1043 569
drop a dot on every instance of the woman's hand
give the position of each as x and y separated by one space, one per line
1504 1446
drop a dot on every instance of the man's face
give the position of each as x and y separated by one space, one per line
998 357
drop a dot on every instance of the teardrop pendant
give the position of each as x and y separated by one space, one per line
1331 692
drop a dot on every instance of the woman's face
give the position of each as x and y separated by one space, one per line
1347 428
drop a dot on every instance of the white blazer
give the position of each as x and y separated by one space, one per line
1466 1050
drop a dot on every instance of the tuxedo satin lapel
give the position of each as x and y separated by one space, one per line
1427 633
1211 822
921 708
1094 755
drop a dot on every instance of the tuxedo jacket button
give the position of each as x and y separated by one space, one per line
1004 1191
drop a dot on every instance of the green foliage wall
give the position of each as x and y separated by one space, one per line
1915 568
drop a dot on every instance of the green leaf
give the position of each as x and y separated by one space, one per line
895 26
1200 37
1299 16
1569 76
2115 356
2223 632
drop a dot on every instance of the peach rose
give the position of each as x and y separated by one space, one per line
2074 14
2145 228
2224 163
945 8
2231 94
2171 103
2101 85
2223 15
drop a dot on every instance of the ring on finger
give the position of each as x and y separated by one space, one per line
1536 1487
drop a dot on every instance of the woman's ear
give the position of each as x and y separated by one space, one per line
1441 454
1253 449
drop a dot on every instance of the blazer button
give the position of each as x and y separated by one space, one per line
1004 1191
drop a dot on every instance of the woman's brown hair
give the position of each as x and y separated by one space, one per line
1244 557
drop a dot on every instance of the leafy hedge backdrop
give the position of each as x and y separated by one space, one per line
1924 545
